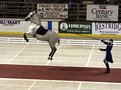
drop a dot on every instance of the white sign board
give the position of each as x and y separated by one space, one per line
102 12
13 25
19 25
52 11
106 28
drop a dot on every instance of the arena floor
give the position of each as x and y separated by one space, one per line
69 56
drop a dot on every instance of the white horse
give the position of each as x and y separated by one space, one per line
39 32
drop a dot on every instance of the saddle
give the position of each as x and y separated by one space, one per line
41 30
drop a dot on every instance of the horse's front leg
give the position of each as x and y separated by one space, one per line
25 37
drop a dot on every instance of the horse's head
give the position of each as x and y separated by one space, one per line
31 14
34 18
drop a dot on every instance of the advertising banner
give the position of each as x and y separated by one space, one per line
106 28
13 25
20 25
75 27
52 11
102 12
9 22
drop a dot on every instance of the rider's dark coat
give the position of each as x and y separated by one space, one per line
108 49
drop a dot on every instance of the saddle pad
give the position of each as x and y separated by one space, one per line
41 30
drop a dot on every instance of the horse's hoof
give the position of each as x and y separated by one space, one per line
27 40
50 58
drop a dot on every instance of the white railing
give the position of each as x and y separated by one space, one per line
62 41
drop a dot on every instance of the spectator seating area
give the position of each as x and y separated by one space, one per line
20 8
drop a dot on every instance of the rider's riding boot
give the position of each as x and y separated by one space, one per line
107 68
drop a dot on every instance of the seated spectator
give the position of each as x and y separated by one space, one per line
117 1
99 1
79 1
107 1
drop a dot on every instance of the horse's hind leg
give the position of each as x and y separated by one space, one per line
53 50
25 37
52 53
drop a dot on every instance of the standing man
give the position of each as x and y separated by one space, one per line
108 58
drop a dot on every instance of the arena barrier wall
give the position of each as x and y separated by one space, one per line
19 26
63 41
92 30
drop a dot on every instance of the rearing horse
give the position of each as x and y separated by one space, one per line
39 32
